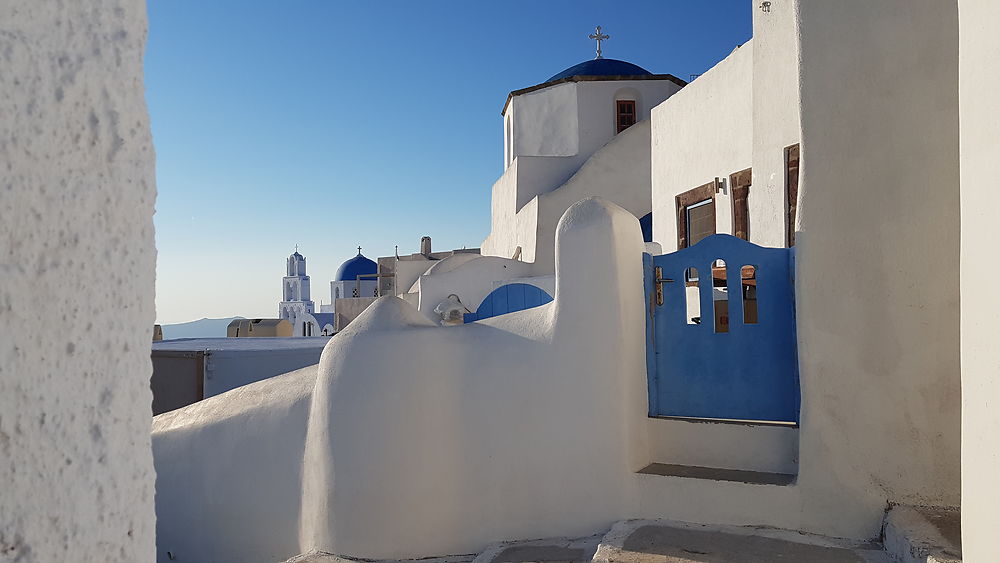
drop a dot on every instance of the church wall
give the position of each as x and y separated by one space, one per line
877 255
980 145
619 172
545 122
702 132
597 112
76 204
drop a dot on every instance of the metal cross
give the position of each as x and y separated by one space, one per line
359 250
599 37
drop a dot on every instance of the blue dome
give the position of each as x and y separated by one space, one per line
602 67
357 266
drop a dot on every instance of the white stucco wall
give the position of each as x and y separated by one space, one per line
775 117
76 195
980 146
618 172
427 440
228 480
877 254
703 132
545 122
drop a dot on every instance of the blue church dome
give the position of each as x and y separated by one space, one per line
357 266
602 67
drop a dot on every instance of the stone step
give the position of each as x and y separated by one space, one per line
923 535
664 541
718 474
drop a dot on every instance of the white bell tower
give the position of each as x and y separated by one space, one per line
295 304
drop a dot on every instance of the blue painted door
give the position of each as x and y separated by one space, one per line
721 338
507 299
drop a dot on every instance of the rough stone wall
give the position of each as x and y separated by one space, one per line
77 263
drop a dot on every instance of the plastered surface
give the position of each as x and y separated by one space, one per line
76 283
980 144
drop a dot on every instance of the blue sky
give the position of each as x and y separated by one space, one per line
337 124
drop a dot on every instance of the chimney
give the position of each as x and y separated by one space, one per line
425 246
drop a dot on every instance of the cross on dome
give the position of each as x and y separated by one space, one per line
359 250
598 36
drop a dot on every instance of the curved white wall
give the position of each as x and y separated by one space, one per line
77 188
426 440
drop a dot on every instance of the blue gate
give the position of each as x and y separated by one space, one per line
507 299
721 340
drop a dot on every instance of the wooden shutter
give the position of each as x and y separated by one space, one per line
791 191
686 199
740 184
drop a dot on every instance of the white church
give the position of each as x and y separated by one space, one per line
354 287
738 316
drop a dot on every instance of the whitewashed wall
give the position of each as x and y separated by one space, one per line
703 132
426 440
877 257
76 197
980 146
775 117
619 172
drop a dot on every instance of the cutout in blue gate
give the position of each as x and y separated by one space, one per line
507 299
737 360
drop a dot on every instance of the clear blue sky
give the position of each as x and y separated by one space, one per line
337 124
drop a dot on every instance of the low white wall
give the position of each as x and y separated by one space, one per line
426 440
771 449
77 189
228 473
702 132
485 431
980 145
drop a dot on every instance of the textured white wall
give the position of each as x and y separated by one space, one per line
76 203
775 117
703 132
980 146
877 256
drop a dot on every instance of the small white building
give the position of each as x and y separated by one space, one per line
583 132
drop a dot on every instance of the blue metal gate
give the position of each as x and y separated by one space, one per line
721 340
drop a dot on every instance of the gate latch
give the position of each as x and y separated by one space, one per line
660 280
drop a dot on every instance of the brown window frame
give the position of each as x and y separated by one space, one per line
687 199
793 159
740 183
619 114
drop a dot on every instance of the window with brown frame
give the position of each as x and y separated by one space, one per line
626 114
740 184
791 191
695 215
